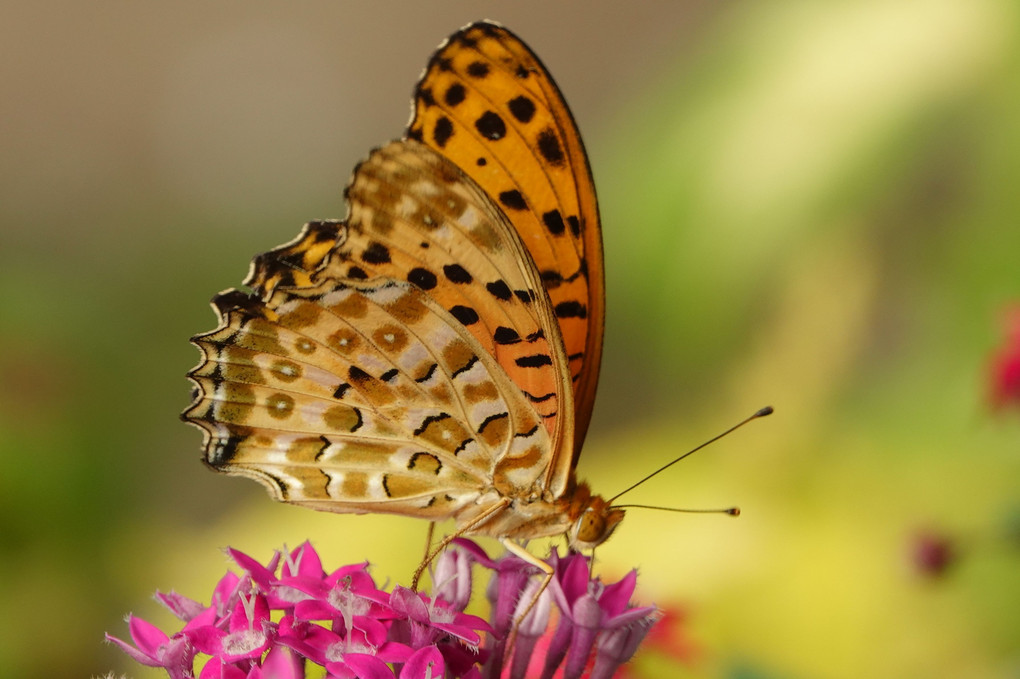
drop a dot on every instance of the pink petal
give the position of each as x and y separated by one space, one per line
410 603
375 631
426 663
312 609
249 613
259 573
393 651
206 618
208 640
350 570
136 655
282 663
367 666
307 561
217 669
477 553
146 636
180 605
225 591
574 582
616 596
632 615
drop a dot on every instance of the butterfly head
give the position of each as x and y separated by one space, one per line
595 520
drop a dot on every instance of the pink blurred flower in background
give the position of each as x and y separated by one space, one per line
1004 367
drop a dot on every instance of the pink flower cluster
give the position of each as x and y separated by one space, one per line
276 620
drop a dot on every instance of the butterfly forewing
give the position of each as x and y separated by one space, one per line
487 103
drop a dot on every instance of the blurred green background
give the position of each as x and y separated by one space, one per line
807 204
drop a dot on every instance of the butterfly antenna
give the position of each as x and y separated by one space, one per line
767 410
732 511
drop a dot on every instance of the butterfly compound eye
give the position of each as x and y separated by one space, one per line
594 527
590 526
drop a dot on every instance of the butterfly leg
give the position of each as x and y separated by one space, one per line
466 528
428 539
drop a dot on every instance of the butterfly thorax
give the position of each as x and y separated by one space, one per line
586 520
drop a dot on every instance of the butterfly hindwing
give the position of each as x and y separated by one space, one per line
358 397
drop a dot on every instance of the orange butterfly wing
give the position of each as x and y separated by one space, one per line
404 359
487 103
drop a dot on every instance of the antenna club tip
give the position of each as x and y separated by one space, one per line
733 511
767 410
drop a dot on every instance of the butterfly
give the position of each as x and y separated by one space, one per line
434 354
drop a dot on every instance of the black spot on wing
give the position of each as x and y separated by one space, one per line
549 147
522 108
552 278
513 200
464 314
223 451
526 296
442 131
376 253
504 335
454 94
423 278
389 374
455 273
553 221
429 420
416 458
358 375
478 69
322 450
533 361
575 225
525 434
499 289
490 419
428 374
491 126
571 309
467 366
424 95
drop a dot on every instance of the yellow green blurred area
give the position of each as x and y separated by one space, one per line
809 205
